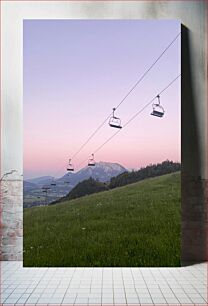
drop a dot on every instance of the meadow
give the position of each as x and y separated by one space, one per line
137 225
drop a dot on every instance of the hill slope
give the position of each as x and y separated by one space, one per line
135 225
86 187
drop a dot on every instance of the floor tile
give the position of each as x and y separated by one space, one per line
119 286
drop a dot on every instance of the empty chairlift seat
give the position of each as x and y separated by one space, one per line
114 121
91 162
70 167
158 110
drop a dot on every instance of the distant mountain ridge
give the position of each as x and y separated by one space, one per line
29 186
102 171
40 180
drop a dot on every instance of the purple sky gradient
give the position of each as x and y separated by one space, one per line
76 71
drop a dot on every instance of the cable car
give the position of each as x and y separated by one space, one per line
158 110
91 162
114 121
70 167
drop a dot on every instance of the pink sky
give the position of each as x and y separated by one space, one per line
75 72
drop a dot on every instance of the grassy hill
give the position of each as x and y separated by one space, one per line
135 225
83 188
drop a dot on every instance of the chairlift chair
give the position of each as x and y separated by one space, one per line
70 167
114 121
45 188
53 183
158 110
91 162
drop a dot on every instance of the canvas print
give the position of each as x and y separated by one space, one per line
102 143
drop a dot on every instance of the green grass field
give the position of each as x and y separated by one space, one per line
135 225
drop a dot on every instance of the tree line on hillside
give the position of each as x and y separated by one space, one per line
91 185
86 187
152 170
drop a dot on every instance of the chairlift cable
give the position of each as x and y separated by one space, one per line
91 136
91 157
146 72
85 143
125 97
131 119
121 102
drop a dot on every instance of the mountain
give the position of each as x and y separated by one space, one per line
43 180
102 171
27 186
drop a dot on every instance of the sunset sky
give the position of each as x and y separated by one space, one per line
76 71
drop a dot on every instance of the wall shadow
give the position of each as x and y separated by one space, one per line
193 226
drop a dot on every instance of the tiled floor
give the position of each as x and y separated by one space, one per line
106 286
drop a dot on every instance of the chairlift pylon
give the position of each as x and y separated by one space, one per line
91 162
70 167
158 110
114 121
